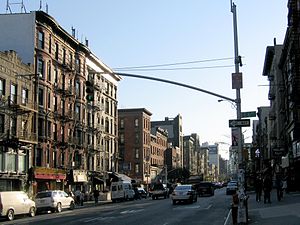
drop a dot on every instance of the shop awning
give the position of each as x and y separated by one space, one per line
98 180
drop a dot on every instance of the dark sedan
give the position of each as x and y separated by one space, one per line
205 188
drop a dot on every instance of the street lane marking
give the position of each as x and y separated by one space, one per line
131 211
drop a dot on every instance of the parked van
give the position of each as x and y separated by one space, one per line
15 203
121 191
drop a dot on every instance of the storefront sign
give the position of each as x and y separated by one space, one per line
80 176
49 173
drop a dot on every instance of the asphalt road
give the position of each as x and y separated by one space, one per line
207 210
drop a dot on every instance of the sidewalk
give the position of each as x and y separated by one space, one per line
281 212
286 211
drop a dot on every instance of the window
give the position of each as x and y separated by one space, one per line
2 123
49 100
107 106
50 43
41 97
70 60
24 96
122 123
136 122
55 103
56 51
122 139
2 87
64 56
39 156
107 125
137 137
77 88
77 64
77 112
22 163
55 75
41 126
13 94
137 153
55 131
40 68
49 129
137 168
41 40
49 71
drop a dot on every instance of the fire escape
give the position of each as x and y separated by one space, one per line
64 113
18 135
94 127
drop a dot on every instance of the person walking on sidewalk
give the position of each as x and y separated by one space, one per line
267 187
96 195
258 188
278 184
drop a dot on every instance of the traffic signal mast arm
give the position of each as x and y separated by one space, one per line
178 84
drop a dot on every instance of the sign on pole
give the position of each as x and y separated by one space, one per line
239 123
237 80
248 114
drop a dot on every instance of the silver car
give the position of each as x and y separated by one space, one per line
54 200
184 193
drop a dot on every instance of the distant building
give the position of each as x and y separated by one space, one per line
135 142
175 133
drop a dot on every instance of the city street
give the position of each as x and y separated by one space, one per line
207 210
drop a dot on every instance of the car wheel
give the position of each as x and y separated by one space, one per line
10 215
58 207
72 205
32 211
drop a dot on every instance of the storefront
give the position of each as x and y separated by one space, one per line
47 179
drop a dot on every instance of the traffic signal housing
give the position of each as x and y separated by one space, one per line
89 91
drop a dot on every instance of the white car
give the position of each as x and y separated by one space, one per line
54 200
184 193
15 203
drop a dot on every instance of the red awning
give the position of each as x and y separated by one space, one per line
50 176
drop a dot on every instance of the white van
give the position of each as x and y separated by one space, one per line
15 203
121 191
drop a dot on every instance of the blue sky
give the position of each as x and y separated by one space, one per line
138 33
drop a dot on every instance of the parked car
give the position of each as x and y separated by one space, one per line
231 188
16 203
142 192
53 200
205 188
158 190
184 193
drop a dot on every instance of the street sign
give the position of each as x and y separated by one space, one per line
248 114
239 123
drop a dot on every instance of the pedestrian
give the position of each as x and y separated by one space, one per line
284 184
136 194
96 195
77 196
258 188
278 184
267 187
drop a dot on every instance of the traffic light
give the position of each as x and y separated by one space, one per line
89 91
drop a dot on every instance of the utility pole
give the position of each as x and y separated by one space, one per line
238 84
